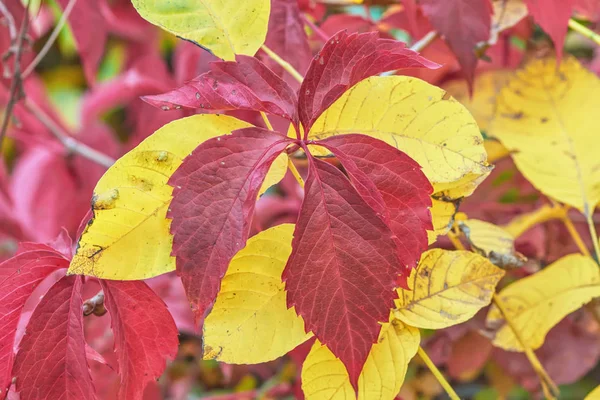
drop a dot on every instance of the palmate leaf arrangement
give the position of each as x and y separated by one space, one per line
389 158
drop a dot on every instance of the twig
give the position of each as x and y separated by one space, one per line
584 31
10 21
322 35
284 64
70 143
16 83
425 41
438 375
548 386
51 39
295 172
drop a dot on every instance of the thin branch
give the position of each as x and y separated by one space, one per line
10 21
575 235
425 41
284 64
295 172
16 87
70 143
593 234
438 375
584 31
51 39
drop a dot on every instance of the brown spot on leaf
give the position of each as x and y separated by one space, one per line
106 200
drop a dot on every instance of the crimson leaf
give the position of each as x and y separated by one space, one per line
463 23
342 271
19 276
400 182
344 61
145 334
553 16
246 84
51 362
214 198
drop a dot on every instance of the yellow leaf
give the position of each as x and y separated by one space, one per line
442 213
536 303
421 120
225 28
324 377
276 173
594 394
523 222
492 242
250 322
128 237
507 13
447 288
544 116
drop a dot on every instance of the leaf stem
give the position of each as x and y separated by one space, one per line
455 241
284 64
437 373
425 41
295 172
266 121
575 235
319 32
593 234
584 31
548 386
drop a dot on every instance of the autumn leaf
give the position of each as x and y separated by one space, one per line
337 241
507 13
59 370
211 217
536 303
132 199
447 288
324 376
422 121
251 304
223 28
346 60
141 353
594 394
492 242
464 24
19 276
543 118
247 84
553 16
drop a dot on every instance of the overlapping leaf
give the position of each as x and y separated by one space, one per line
493 242
536 303
144 331
251 304
447 288
324 376
553 16
132 199
225 28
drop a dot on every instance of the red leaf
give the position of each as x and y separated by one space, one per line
243 85
553 16
588 8
401 184
463 23
214 198
144 331
287 38
343 267
51 362
346 60
90 33
19 276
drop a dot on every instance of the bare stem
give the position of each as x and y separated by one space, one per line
425 41
51 39
455 241
295 172
593 234
438 375
548 386
575 235
10 21
284 64
584 31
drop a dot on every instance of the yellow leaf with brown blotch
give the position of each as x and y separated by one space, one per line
251 304
536 303
492 242
324 377
545 118
447 288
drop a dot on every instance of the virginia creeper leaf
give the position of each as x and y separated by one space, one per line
132 198
463 23
447 288
243 85
287 38
19 276
553 16
543 118
225 28
343 267
346 60
251 304
424 122
51 362
324 376
214 198
145 334
405 190
538 302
